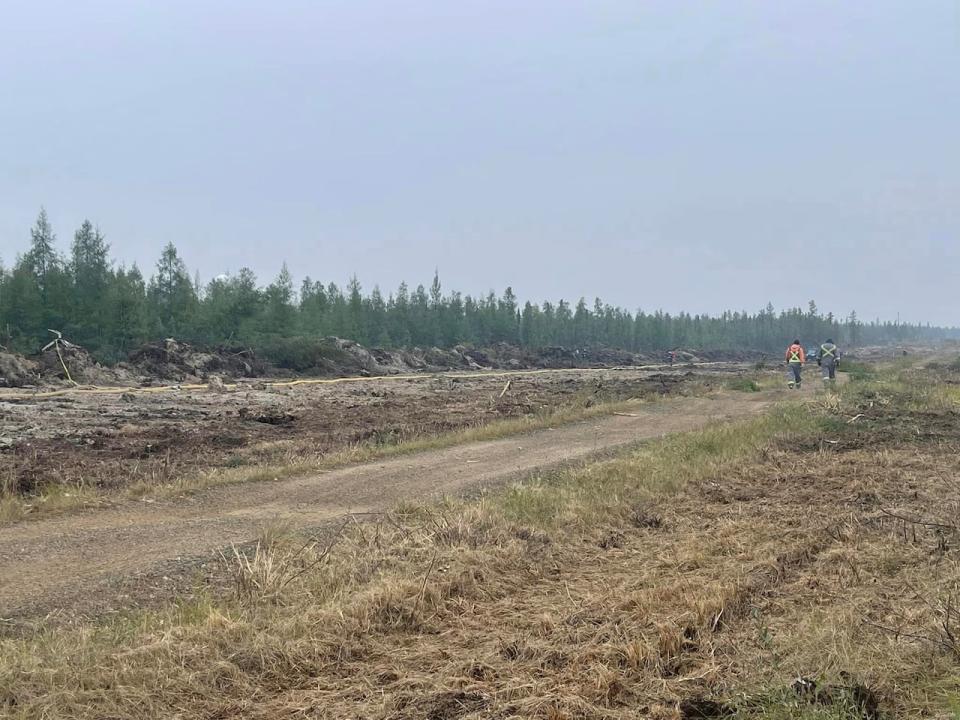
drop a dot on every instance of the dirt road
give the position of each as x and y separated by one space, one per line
132 554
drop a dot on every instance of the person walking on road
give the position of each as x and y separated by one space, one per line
828 358
795 358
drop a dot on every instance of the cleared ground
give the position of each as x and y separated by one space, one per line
108 443
81 563
799 562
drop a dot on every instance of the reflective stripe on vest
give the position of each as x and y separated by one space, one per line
794 356
827 351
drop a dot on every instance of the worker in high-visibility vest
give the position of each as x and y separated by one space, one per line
795 358
828 358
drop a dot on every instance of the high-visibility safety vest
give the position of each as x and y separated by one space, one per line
795 354
828 351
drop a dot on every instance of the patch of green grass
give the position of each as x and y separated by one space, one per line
952 702
743 384
832 426
51 500
858 371
235 461
786 705
603 489
13 508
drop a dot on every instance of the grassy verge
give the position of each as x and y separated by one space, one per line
858 371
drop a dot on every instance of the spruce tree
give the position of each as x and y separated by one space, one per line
127 325
173 299
42 258
90 267
279 314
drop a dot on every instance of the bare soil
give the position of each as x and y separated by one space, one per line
139 553
112 441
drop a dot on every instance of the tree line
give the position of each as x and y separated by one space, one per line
111 309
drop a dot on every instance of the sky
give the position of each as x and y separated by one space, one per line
672 154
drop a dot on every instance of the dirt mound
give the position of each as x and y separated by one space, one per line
877 353
502 356
171 360
609 357
58 365
511 357
340 357
738 355
435 359
174 360
17 371
80 364
457 358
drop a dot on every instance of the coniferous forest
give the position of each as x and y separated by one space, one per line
110 309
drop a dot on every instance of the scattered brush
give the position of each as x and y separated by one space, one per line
275 562
939 628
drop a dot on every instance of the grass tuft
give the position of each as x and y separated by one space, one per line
743 384
858 371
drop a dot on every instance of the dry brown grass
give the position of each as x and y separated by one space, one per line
702 573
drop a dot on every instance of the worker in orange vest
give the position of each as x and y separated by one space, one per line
795 358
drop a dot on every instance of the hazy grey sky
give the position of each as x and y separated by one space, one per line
683 155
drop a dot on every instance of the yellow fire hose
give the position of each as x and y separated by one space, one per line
64 365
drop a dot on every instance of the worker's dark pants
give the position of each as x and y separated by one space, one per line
829 370
793 375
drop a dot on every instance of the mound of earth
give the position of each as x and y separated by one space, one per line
179 361
505 356
337 356
346 357
458 358
171 360
329 356
17 371
435 359
83 368
609 357
875 353
737 355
